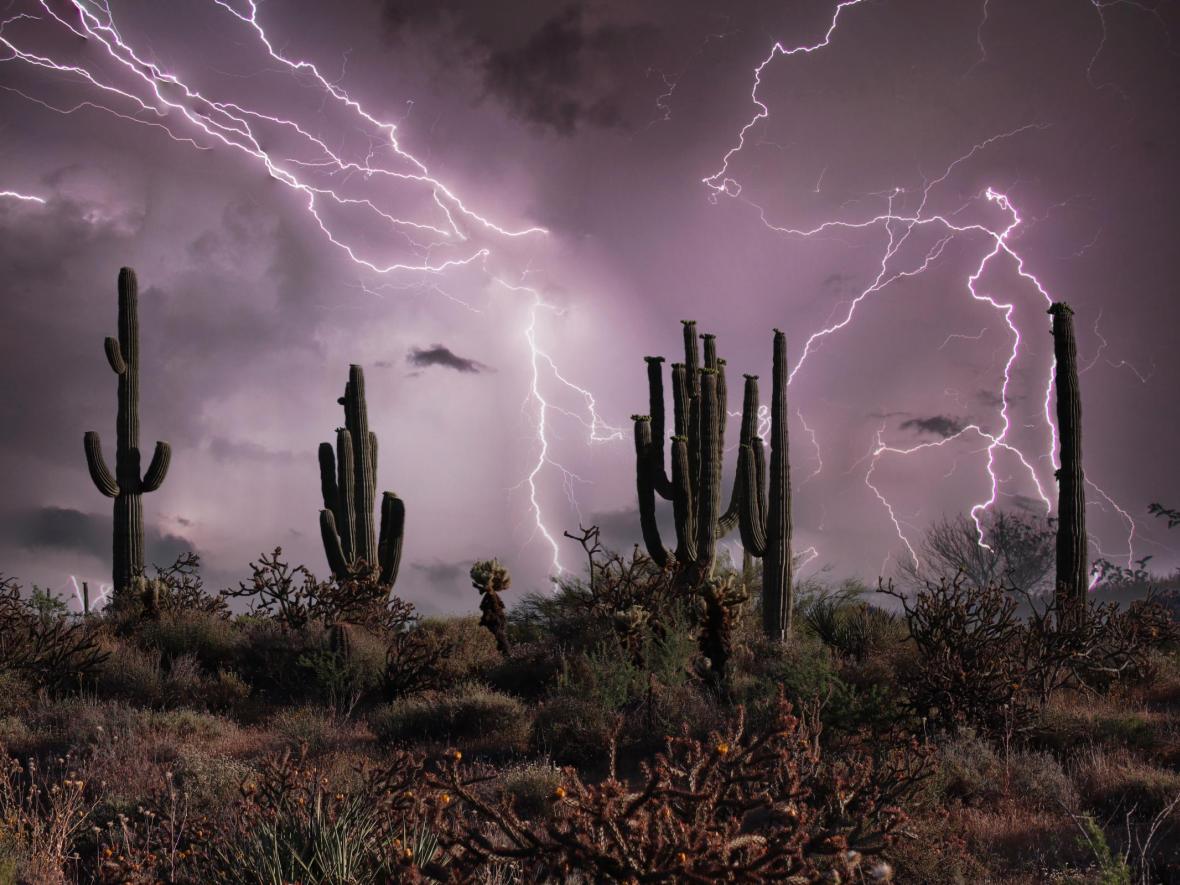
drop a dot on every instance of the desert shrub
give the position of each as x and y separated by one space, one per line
342 676
415 660
757 806
529 672
42 812
211 638
132 674
224 691
292 596
43 645
471 649
528 788
269 659
850 626
574 731
291 826
972 770
312 727
978 664
475 718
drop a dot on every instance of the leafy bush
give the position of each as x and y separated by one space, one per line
43 645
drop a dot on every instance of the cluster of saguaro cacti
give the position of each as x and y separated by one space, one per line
490 577
1072 541
693 485
128 484
348 478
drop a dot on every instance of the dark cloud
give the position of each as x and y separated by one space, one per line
65 529
572 71
940 425
440 355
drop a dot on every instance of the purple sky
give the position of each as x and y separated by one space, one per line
598 122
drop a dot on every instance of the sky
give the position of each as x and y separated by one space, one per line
499 209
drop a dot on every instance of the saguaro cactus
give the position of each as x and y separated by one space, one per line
695 482
127 485
348 478
1072 541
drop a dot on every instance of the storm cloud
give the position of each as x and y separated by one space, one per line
440 355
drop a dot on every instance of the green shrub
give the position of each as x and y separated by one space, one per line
131 674
573 730
472 717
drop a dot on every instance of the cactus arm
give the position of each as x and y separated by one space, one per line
750 521
682 503
99 472
655 403
345 492
332 549
373 453
115 355
749 428
158 468
722 404
327 459
708 502
692 357
645 474
389 545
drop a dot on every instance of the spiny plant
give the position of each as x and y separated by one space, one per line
348 478
1072 565
763 516
127 485
490 577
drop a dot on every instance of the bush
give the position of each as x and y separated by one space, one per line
529 789
474 718
312 727
210 638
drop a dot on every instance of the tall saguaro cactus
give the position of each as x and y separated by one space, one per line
348 478
694 486
1072 541
127 485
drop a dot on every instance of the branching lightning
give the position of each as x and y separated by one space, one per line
898 225
138 90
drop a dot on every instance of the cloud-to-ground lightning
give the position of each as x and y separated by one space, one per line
374 186
597 429
898 225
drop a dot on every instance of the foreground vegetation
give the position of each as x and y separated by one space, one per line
331 736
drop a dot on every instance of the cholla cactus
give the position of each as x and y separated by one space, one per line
128 484
721 604
631 625
490 577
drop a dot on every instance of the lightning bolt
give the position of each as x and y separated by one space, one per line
26 198
898 225
139 90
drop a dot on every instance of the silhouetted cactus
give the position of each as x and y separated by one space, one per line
1072 541
127 485
490 577
348 479
694 483
340 639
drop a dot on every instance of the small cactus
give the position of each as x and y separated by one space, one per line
721 603
340 640
490 577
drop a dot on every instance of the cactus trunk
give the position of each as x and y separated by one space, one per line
1072 541
127 485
